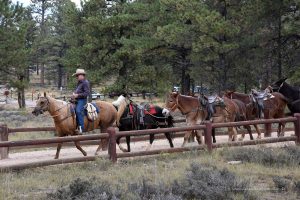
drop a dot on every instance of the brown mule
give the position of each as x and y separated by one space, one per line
274 108
65 121
250 113
196 113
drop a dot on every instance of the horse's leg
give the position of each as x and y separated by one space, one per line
199 137
230 133
214 135
234 129
128 143
119 144
169 138
186 138
258 131
248 127
283 128
150 142
77 144
104 142
280 131
59 145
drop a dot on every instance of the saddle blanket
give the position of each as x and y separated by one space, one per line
72 109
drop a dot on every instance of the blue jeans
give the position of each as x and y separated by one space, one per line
80 112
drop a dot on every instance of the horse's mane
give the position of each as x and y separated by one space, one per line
121 109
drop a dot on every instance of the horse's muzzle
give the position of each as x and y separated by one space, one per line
37 112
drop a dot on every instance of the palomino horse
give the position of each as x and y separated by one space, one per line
292 94
195 113
65 121
129 118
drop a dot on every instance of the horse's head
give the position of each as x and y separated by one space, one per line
42 105
166 112
228 93
171 101
277 85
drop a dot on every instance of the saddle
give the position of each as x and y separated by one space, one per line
210 103
91 111
261 95
140 111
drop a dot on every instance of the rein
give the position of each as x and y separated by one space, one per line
54 116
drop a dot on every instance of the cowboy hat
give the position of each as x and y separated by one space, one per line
79 71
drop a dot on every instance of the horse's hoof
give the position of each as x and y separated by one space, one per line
258 138
241 139
55 158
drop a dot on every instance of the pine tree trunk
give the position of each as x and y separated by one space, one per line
60 76
37 69
43 74
279 49
21 94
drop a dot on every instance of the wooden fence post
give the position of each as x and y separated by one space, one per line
208 133
3 137
112 145
268 127
297 128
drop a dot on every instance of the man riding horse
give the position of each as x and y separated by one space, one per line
81 94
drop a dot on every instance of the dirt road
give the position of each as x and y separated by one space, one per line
71 152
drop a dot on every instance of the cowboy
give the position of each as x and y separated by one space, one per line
81 93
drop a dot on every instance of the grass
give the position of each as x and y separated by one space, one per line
164 170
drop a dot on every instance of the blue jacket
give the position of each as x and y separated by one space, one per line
83 89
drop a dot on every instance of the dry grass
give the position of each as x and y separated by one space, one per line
165 168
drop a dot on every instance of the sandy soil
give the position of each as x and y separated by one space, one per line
69 152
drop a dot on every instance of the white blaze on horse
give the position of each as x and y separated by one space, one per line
64 118
138 117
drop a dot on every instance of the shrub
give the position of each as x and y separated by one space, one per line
281 183
297 187
82 189
265 156
203 182
200 182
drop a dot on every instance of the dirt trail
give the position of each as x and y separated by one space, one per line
70 152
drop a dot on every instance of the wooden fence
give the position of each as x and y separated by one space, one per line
111 135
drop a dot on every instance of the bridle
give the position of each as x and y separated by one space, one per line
54 116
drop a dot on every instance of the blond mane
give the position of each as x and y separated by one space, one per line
121 103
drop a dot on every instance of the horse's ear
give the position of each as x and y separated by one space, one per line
45 94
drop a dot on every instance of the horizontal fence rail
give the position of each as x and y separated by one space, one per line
111 135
